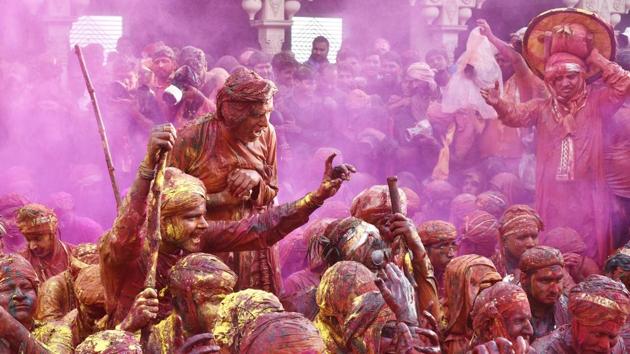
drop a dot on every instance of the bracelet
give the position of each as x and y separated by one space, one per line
311 201
146 173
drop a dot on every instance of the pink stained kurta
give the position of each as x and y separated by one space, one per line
584 202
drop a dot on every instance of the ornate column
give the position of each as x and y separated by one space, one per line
274 19
441 21
609 10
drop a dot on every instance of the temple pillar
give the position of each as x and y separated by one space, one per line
274 17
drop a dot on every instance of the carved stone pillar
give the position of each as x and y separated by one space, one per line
609 10
441 21
272 22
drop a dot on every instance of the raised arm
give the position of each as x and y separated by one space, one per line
513 114
529 85
123 242
265 229
617 80
17 336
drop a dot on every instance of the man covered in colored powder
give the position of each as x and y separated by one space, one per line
18 296
45 251
599 307
198 284
542 273
465 277
234 153
501 315
519 228
570 179
124 251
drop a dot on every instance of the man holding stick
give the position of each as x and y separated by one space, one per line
124 249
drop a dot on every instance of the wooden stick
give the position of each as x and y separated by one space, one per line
154 236
99 122
392 183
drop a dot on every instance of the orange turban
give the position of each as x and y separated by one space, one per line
462 205
436 231
464 277
539 257
480 227
599 299
479 234
519 219
241 89
491 304
373 203
36 218
493 202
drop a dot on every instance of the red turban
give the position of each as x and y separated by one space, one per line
461 206
599 299
36 218
439 189
509 184
561 63
436 231
464 277
491 304
241 89
493 202
281 333
373 203
519 219
481 228
539 257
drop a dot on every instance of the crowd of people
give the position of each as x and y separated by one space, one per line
257 217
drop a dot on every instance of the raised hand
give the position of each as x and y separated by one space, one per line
398 294
143 311
491 95
162 139
333 178
484 27
400 225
